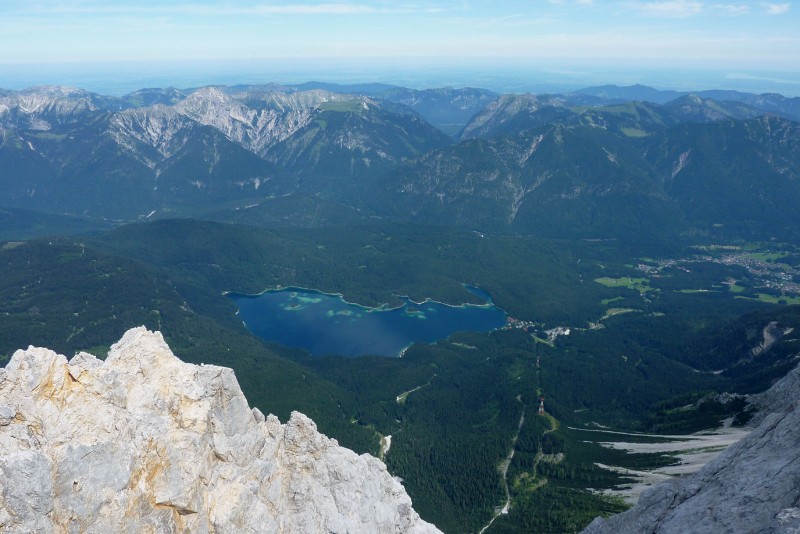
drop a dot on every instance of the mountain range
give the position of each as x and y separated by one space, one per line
642 244
604 162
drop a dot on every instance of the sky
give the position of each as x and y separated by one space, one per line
743 42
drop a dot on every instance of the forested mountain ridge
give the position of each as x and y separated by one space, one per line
741 176
447 108
546 180
547 164
349 143
96 169
513 114
592 179
788 107
67 155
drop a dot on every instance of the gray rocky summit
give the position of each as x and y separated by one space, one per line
752 487
145 443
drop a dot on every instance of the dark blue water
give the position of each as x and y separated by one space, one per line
326 324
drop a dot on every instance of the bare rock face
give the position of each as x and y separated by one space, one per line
752 487
782 397
146 443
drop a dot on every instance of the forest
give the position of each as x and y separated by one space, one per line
452 407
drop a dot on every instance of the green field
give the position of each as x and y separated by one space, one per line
642 285
351 106
772 299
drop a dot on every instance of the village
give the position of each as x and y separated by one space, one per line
765 267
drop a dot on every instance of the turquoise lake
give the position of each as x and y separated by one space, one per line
325 324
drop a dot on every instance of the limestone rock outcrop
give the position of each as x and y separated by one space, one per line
142 442
751 487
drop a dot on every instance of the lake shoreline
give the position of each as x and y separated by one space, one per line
325 323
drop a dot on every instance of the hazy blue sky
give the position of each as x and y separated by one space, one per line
739 37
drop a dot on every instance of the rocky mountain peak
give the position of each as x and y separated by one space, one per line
255 120
55 90
142 442
494 116
42 108
158 126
